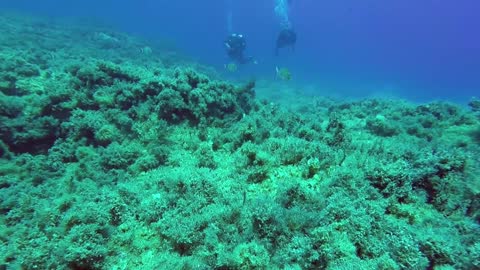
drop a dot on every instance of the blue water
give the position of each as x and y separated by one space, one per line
421 50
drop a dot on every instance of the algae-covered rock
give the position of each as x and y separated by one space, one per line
474 104
381 127
113 156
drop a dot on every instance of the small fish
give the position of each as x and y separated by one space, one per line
232 67
283 73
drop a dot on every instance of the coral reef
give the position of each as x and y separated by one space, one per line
111 162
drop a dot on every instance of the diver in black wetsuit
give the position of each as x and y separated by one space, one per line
235 45
286 38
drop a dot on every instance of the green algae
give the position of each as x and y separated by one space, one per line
114 159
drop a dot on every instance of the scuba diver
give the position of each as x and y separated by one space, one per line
286 38
235 45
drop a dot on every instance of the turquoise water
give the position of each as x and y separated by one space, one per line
129 140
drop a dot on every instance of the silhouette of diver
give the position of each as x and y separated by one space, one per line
286 38
235 45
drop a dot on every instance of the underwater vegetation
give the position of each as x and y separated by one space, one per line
118 154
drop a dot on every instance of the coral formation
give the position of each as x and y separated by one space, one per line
111 162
